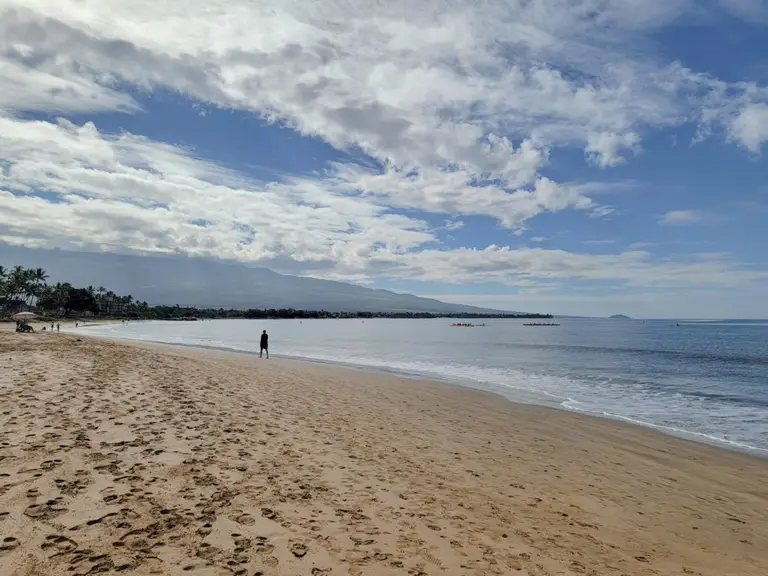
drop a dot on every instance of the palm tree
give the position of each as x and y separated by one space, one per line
19 284
46 298
40 275
61 296
37 279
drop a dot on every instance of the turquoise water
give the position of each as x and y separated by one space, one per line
706 381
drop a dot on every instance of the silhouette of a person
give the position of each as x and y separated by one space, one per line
264 344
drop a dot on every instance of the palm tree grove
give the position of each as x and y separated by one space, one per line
27 289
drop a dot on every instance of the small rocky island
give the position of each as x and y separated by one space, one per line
620 317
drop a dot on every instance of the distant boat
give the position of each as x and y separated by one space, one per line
459 325
542 324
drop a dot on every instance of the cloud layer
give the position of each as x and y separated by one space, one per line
458 105
86 190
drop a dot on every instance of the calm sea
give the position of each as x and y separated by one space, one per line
704 380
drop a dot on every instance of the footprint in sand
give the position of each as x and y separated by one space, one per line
262 546
130 514
298 549
205 529
245 520
49 509
8 543
241 543
59 544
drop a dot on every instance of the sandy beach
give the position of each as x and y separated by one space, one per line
139 459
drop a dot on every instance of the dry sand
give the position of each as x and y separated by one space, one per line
138 459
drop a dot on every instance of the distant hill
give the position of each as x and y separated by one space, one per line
621 317
216 284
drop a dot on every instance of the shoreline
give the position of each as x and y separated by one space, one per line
467 383
124 456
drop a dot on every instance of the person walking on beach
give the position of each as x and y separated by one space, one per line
264 345
58 327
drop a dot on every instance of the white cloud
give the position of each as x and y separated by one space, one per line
453 225
460 103
750 127
740 109
37 89
604 148
127 193
452 192
417 89
603 242
676 217
509 266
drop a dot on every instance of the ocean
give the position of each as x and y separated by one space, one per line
702 380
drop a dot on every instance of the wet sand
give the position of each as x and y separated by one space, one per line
138 459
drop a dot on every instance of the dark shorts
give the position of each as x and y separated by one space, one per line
265 347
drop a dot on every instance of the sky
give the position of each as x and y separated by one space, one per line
584 157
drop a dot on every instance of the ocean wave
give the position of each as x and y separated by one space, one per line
650 352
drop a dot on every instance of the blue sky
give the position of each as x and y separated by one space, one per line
589 157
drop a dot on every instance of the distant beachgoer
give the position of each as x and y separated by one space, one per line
76 324
264 344
58 327
51 326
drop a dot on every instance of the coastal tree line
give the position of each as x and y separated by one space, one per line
28 289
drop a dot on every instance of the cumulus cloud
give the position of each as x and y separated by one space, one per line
750 127
740 109
604 149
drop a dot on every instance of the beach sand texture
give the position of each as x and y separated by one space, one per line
139 459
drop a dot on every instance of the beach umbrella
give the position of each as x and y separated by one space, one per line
24 315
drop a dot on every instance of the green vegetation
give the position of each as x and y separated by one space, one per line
26 289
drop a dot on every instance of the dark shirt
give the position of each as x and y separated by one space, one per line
264 340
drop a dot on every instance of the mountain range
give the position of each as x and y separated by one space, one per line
216 284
